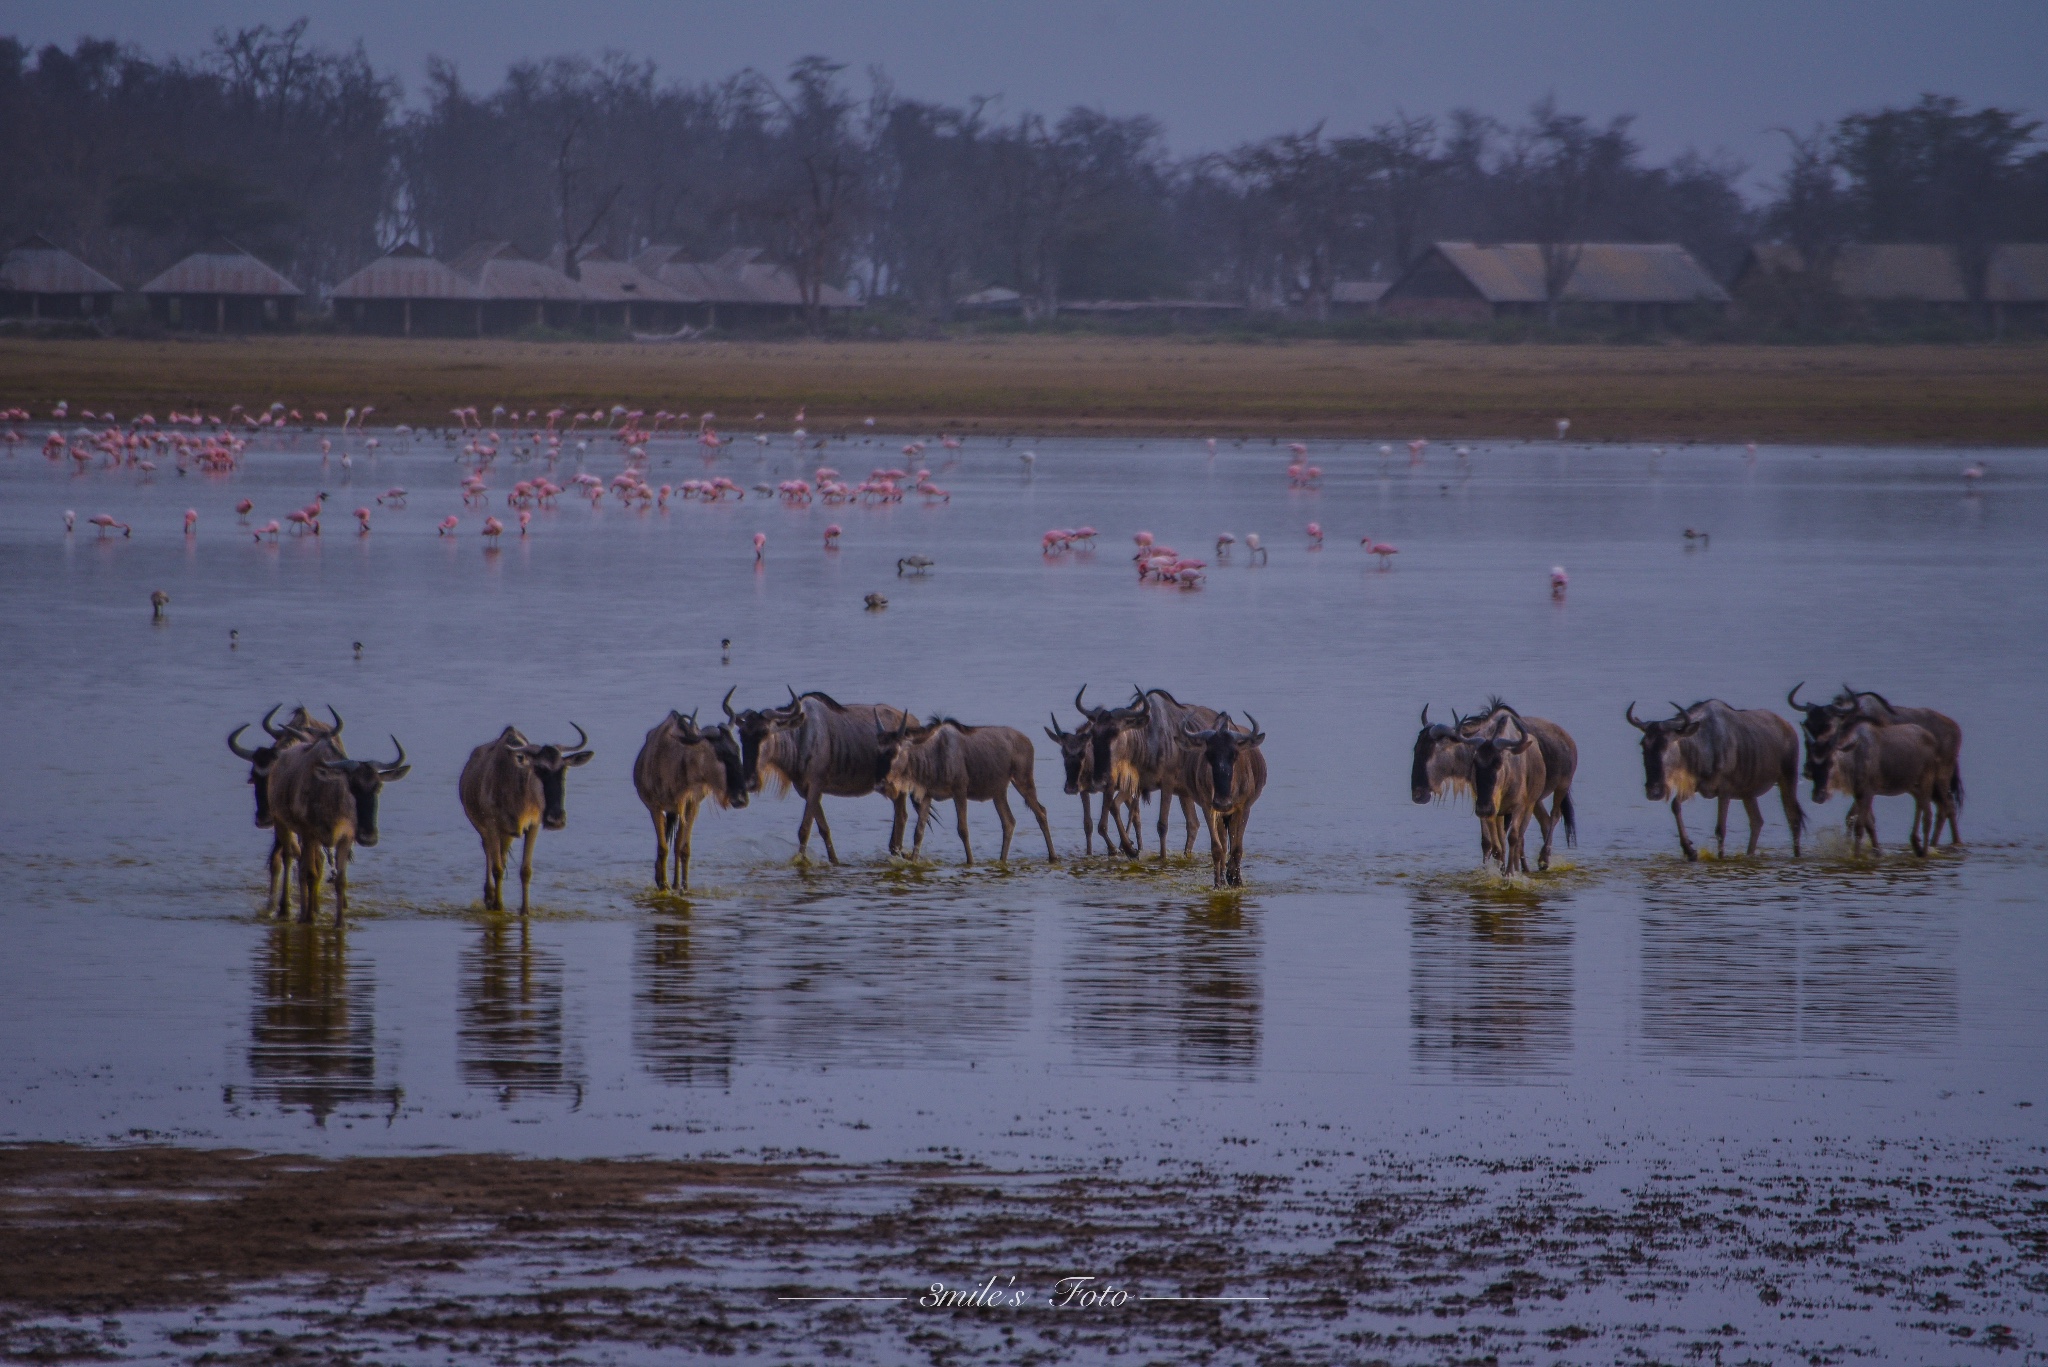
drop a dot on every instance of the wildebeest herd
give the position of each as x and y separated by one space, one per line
320 804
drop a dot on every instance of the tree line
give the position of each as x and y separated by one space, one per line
313 159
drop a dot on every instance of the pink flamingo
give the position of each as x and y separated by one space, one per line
1972 473
1255 553
1223 545
1415 450
1315 536
191 520
301 520
106 523
1380 549
1559 581
832 537
524 518
362 521
448 524
493 529
69 519
269 529
760 546
242 509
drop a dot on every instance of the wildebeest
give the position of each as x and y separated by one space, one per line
1509 779
1224 771
1867 760
1443 763
822 748
1713 750
297 729
1084 777
679 765
949 760
510 789
1822 721
327 801
1144 743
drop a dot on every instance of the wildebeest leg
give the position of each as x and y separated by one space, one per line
525 869
960 807
284 862
1788 797
661 838
924 815
1087 831
1219 844
686 826
1233 873
1007 817
1165 815
1720 827
1187 816
1865 816
1922 815
1756 823
1684 840
896 820
341 852
1130 836
311 866
1547 821
1030 796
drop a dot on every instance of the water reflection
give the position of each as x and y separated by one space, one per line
685 1017
312 1027
510 1037
1780 965
1168 986
1490 983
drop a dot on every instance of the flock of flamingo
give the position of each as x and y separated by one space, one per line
214 444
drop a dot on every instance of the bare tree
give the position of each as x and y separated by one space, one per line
1561 169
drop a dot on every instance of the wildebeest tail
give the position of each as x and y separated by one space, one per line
1570 815
1955 787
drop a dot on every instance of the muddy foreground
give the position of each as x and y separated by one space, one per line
226 1256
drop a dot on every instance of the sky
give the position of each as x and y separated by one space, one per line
1718 76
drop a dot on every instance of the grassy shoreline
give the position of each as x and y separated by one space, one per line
1049 385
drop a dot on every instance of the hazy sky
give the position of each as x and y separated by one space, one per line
1717 75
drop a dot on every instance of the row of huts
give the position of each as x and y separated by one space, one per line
492 288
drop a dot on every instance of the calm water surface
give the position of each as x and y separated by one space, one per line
1370 989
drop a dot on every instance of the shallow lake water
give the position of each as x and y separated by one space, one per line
1370 997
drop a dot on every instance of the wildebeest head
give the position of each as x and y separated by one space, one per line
1221 748
1434 739
366 779
1817 719
725 747
1659 739
261 759
753 726
551 765
1489 753
890 741
1074 746
1105 724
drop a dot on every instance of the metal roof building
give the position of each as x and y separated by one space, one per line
620 294
514 291
1910 272
1358 296
1468 279
739 283
223 286
39 279
404 292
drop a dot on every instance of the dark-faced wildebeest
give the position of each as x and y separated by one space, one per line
1822 720
297 729
1443 764
821 748
1508 783
679 765
949 760
510 789
1713 750
1868 761
327 801
1085 776
1224 771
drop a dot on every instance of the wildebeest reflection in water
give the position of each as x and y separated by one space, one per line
685 1022
1490 984
1799 966
1172 987
312 1025
510 1038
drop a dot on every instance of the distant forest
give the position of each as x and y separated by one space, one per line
313 159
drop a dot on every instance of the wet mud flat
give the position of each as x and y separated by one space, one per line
1857 1251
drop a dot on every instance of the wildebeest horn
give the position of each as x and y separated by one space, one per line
1425 714
1792 698
337 718
1057 733
726 703
398 763
275 733
240 752
1677 710
1257 735
1631 715
582 740
1080 706
793 698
